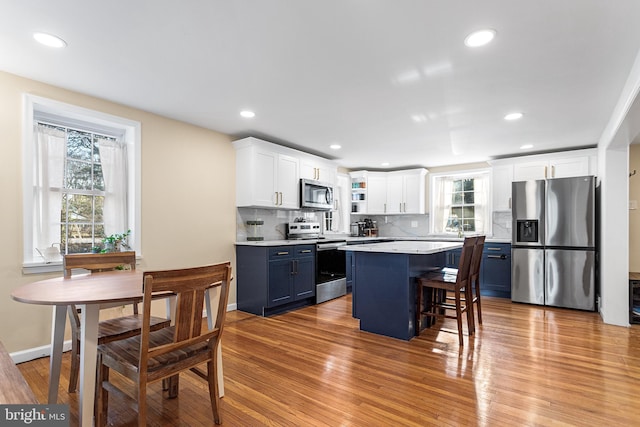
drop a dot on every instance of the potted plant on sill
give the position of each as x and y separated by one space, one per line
115 242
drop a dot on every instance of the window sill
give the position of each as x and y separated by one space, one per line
41 267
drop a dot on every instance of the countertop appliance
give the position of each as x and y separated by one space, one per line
553 248
316 195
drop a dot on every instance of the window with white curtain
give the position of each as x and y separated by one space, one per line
80 182
460 203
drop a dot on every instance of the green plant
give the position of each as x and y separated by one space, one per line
112 243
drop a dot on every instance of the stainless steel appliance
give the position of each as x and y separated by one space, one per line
316 195
303 230
553 242
331 271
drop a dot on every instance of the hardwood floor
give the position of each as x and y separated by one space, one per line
526 365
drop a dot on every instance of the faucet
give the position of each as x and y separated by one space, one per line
460 232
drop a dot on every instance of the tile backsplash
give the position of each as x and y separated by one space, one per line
274 227
274 223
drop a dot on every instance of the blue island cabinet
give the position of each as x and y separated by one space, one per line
384 291
274 279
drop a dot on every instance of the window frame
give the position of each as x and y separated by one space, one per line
457 175
130 131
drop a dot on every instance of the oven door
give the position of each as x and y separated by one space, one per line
331 271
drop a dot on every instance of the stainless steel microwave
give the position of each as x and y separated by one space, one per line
316 195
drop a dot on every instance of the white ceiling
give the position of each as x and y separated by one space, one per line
351 72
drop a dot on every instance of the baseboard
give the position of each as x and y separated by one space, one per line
36 352
44 350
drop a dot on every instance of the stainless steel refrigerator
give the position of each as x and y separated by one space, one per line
553 251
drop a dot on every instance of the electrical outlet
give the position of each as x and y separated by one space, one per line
633 204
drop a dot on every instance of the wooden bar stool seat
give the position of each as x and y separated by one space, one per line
441 283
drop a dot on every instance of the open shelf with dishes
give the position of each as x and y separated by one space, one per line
359 194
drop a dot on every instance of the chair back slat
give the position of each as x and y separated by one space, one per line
464 266
98 262
189 286
477 255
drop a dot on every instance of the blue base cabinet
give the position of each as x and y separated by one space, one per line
495 268
495 271
274 279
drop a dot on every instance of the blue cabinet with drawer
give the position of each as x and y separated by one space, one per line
495 268
275 279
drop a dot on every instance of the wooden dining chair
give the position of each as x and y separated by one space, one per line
156 355
474 278
439 283
111 329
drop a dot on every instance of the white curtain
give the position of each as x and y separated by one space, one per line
48 180
481 196
442 203
113 156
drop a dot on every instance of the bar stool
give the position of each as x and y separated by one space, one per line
438 284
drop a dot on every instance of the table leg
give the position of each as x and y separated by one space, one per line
55 357
210 316
88 355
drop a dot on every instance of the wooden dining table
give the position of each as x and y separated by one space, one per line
88 292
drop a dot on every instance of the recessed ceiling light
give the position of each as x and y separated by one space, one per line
335 146
419 118
526 146
480 38
513 116
49 40
384 164
247 114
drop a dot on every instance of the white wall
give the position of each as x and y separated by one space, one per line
613 167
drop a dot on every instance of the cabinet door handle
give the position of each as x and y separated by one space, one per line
545 171
509 202
282 253
385 208
493 249
553 171
497 256
404 206
306 251
280 198
400 206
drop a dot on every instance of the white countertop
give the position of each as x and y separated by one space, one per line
405 247
347 238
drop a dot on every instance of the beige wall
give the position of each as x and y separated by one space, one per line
188 200
634 214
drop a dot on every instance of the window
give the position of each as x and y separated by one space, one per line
459 203
81 180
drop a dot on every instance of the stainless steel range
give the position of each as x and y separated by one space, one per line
331 271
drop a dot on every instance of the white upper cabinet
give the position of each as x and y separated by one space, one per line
556 165
399 192
312 167
268 175
406 192
377 191
501 177
542 166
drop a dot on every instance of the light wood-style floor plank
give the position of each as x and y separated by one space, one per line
525 366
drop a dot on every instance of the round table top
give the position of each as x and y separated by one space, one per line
95 288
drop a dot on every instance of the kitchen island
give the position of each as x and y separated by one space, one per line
384 288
